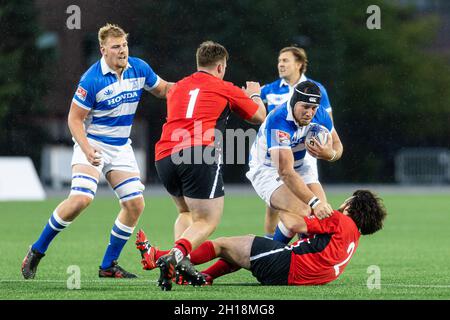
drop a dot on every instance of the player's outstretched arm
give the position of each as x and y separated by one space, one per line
253 91
161 89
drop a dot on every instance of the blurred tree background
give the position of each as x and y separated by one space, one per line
387 90
24 75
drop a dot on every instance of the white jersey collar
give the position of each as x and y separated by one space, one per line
284 82
106 69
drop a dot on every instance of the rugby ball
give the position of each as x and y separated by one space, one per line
317 131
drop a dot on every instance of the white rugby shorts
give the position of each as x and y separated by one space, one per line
120 158
265 180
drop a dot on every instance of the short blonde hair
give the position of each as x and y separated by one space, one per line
299 54
209 53
110 30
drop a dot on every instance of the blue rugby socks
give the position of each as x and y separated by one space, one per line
120 233
54 226
282 234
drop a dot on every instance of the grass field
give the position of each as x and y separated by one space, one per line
412 252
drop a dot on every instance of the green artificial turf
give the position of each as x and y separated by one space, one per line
412 252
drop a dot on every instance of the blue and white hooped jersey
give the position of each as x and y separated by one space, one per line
281 131
279 92
112 102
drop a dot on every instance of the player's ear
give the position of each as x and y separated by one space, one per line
220 68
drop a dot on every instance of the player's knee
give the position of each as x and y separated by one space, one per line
84 186
134 206
212 227
220 242
79 202
129 189
298 208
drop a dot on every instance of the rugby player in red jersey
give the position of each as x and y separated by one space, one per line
189 154
316 260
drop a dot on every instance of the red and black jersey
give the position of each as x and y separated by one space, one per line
196 105
322 257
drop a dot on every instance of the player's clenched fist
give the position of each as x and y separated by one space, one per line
320 151
323 210
252 88
94 156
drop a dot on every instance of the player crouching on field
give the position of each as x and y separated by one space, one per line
318 259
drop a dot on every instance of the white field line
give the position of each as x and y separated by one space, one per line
140 282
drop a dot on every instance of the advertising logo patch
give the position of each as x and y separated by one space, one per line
81 93
282 138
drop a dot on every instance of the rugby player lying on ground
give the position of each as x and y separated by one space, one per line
317 259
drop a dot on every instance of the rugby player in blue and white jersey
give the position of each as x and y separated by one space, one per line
279 171
292 65
100 120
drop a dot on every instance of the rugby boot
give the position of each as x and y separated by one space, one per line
148 252
115 271
30 263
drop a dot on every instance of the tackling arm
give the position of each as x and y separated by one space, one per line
260 114
253 91
161 89
284 159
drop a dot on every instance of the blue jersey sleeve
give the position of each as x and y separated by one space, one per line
264 91
144 70
85 94
151 78
325 101
279 132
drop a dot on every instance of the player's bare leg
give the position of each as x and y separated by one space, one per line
184 219
71 208
206 215
235 250
273 215
62 216
131 209
283 199
288 205
271 220
234 253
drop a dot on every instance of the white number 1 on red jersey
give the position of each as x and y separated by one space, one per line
191 105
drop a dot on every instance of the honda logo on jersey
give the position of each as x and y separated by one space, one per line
127 95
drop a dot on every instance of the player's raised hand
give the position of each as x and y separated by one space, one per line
94 155
320 151
323 210
252 88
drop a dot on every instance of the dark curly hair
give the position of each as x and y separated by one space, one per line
367 211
